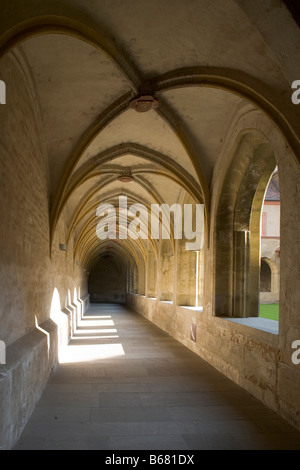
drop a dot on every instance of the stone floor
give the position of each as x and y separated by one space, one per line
123 384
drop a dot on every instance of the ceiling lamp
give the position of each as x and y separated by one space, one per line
143 103
125 176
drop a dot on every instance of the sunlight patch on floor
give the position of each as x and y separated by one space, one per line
90 352
92 340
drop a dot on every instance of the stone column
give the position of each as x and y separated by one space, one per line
240 272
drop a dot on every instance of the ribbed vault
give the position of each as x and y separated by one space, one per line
88 64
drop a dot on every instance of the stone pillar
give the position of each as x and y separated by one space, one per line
186 278
141 276
240 272
166 271
151 274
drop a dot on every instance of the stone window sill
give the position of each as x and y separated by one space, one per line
263 324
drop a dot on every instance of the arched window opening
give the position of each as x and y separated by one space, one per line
247 235
239 226
265 277
190 256
270 250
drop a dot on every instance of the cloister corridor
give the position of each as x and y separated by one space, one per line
130 386
150 210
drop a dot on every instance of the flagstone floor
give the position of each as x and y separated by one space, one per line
123 384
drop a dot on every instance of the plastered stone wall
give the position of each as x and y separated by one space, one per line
24 233
32 276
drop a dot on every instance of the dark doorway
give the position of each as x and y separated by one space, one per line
107 280
265 277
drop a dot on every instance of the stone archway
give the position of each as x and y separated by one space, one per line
238 227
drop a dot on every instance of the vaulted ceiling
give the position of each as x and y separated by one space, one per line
204 61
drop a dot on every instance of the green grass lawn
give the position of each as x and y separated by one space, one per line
270 311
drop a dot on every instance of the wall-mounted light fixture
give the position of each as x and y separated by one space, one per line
63 247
